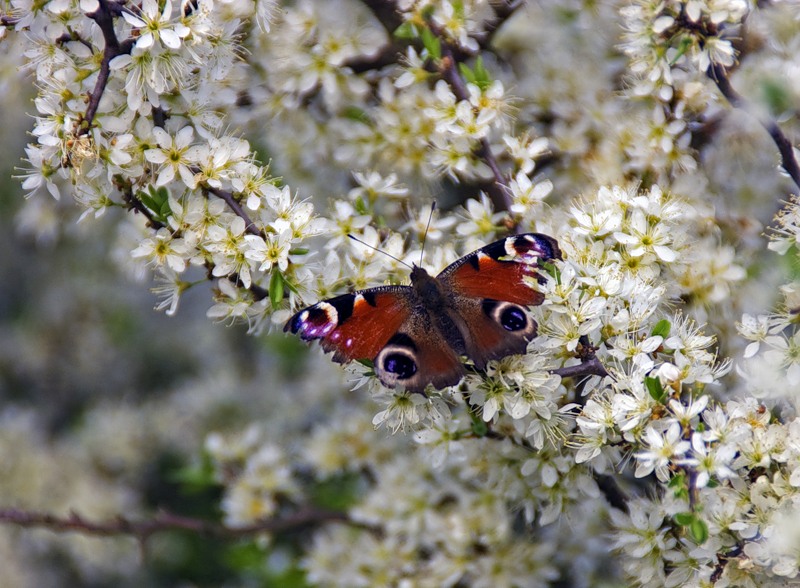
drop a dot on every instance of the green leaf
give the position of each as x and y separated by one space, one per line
466 73
655 389
698 530
157 201
357 114
479 427
776 95
661 328
338 492
551 269
276 283
685 43
361 206
407 31
299 251
147 201
677 481
195 477
432 44
482 77
684 519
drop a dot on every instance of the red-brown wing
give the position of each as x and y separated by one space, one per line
418 355
354 326
489 295
497 271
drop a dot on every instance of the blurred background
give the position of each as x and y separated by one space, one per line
105 404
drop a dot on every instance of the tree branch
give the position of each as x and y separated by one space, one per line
104 17
165 521
497 190
611 490
720 76
249 225
503 10
589 367
386 12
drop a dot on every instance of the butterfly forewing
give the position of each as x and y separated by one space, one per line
354 326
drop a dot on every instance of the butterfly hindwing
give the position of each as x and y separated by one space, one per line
418 355
490 295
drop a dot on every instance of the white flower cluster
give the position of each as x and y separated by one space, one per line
770 363
459 21
390 122
256 475
159 78
743 474
663 37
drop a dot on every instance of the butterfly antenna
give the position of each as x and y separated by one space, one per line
425 235
354 238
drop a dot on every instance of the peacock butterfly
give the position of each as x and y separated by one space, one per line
415 334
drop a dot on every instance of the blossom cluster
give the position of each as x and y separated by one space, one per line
662 39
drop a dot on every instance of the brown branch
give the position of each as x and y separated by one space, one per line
165 521
133 203
386 12
589 367
104 17
614 495
249 225
720 76
498 190
503 10
389 55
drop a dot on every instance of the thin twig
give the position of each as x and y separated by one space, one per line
104 17
720 76
249 225
137 205
165 521
497 190
589 367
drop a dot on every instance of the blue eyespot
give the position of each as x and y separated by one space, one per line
513 319
400 364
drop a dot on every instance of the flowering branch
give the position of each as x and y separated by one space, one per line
104 17
249 225
497 190
718 73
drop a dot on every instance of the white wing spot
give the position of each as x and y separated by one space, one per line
509 246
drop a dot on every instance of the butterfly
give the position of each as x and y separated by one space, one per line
415 335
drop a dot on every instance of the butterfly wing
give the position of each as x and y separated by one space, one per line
386 326
354 326
490 296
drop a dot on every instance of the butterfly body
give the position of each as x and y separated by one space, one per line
415 335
